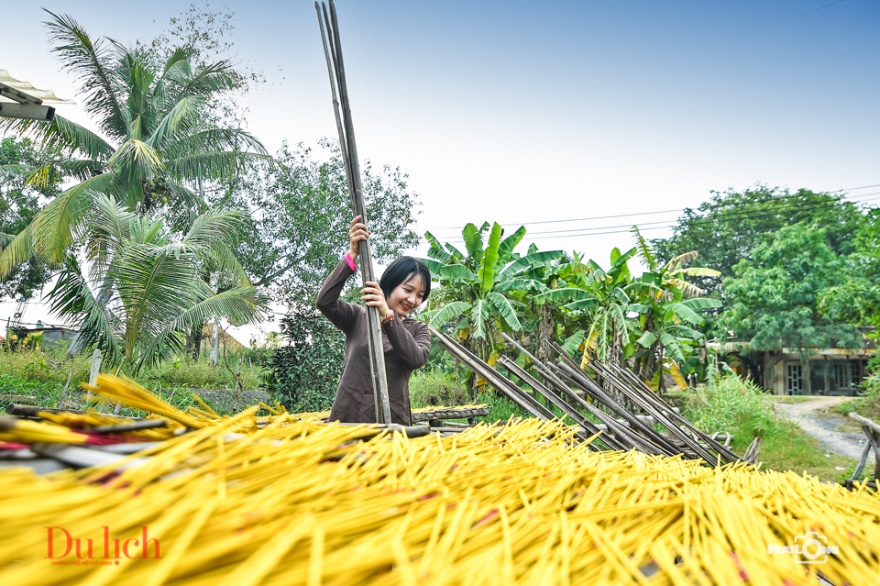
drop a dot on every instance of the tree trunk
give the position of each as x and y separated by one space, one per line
194 342
545 332
215 342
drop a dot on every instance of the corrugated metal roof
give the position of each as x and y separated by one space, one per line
22 92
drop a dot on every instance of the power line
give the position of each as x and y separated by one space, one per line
782 207
800 14
678 210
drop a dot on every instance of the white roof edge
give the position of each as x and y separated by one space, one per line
47 97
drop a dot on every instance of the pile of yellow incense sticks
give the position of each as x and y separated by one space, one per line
285 499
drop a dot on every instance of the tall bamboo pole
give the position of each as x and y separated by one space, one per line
336 69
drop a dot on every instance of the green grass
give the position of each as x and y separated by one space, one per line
746 411
42 374
792 449
791 399
732 405
867 404
434 389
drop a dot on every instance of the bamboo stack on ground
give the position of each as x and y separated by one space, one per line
281 500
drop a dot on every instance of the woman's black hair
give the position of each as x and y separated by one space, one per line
402 268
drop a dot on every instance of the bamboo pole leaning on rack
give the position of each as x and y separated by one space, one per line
342 109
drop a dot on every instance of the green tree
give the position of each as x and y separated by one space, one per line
19 204
773 295
304 374
298 216
477 288
153 283
854 297
156 144
725 229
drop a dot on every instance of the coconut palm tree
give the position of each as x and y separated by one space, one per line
157 142
152 283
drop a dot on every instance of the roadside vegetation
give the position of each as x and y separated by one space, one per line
867 404
39 377
746 411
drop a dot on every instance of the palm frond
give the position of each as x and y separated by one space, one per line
216 140
9 171
83 169
240 305
68 135
72 298
212 79
184 198
54 227
137 159
214 225
89 63
16 250
209 165
176 67
182 117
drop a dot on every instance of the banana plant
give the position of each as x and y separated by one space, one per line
666 334
602 301
476 287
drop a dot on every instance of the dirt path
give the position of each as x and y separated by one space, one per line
824 427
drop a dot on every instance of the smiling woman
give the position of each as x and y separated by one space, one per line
406 342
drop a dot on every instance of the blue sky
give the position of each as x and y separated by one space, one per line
523 112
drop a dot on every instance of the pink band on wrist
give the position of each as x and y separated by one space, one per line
350 262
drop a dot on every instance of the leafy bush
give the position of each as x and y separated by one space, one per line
731 404
868 403
183 372
433 388
45 366
304 375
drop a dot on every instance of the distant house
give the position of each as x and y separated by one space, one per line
821 371
51 335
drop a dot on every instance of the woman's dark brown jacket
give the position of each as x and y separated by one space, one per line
406 344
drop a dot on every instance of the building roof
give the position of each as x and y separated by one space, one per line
20 99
